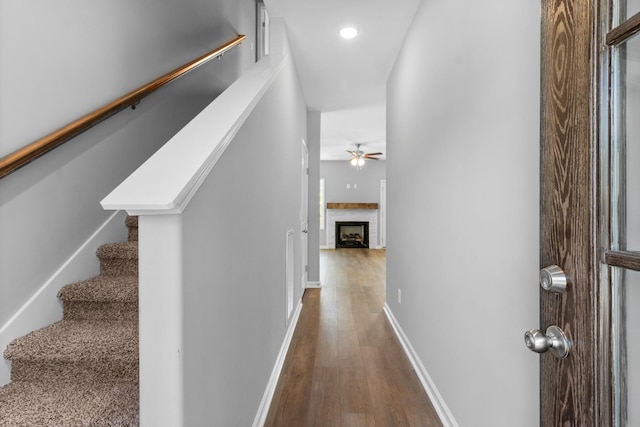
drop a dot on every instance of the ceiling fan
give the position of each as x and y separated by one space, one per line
358 156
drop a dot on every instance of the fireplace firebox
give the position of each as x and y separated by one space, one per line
352 234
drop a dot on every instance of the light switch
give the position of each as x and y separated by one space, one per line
355 186
348 186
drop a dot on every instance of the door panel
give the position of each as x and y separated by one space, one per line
571 388
590 210
304 216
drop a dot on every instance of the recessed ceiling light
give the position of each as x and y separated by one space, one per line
348 32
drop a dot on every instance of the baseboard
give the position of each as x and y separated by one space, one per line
313 285
370 247
263 410
44 308
446 417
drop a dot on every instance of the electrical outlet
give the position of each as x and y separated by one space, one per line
355 186
348 186
399 296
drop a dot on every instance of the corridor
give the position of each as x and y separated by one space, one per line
345 366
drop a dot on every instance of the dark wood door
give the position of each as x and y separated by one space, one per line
569 212
583 209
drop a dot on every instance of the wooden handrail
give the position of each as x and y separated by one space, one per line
28 153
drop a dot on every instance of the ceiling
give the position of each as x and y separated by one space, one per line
345 79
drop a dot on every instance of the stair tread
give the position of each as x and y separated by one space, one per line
131 221
83 370
102 289
78 340
128 249
95 404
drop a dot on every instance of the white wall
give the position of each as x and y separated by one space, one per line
338 174
462 163
60 61
234 234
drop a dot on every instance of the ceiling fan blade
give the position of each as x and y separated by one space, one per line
353 153
371 158
374 154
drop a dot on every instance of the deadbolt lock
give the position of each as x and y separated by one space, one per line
553 279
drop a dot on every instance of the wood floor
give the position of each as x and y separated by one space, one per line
345 366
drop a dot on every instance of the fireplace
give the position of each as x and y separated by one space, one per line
352 234
345 212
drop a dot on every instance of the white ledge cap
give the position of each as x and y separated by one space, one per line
167 181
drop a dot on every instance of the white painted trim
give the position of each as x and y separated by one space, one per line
446 417
311 285
326 247
150 190
304 215
44 308
265 404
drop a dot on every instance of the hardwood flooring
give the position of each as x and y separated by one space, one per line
345 366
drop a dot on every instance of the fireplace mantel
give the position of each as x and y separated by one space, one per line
352 206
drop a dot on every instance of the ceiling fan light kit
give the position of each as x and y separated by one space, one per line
358 157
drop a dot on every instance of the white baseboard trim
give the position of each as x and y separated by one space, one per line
44 308
370 247
311 285
265 404
446 417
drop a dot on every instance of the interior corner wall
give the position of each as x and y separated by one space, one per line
62 60
313 140
363 185
234 242
463 211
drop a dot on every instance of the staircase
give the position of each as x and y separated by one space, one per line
82 370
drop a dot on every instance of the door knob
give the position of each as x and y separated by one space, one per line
554 339
553 279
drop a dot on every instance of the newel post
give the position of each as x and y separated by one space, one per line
161 320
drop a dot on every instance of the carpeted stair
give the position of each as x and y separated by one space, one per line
82 370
